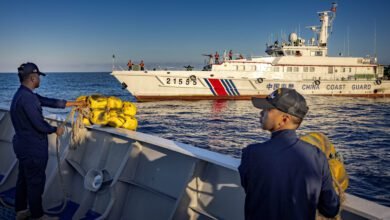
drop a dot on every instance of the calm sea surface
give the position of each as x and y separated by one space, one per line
359 127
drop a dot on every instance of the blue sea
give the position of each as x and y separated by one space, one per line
359 127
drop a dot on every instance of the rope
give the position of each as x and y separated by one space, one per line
78 133
76 139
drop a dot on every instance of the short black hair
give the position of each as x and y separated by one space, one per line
297 121
22 77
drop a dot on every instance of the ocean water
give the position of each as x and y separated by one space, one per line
359 127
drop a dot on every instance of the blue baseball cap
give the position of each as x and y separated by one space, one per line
286 100
29 68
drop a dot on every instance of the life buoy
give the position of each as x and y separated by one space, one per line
124 85
259 80
378 82
317 82
193 77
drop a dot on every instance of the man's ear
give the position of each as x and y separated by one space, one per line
286 118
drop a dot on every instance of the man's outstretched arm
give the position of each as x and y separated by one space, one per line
58 103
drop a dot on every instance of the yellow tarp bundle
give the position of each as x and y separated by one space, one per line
110 111
336 166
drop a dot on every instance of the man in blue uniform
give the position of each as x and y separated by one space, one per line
284 177
30 141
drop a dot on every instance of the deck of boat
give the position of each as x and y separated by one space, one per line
144 177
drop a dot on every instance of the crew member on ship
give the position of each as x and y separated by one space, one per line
216 57
230 55
142 65
130 65
285 177
30 141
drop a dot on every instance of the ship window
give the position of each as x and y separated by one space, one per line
289 69
251 68
312 69
288 52
343 70
240 68
276 69
350 69
330 69
318 53
305 69
296 69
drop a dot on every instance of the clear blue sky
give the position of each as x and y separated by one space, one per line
82 35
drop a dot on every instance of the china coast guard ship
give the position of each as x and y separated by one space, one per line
304 66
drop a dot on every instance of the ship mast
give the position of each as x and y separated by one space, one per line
326 18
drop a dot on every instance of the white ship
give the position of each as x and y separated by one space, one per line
304 66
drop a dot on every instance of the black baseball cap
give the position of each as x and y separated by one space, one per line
29 68
286 100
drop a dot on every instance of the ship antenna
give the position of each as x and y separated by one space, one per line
299 30
348 40
375 49
333 10
344 47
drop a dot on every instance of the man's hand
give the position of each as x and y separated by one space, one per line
60 130
76 103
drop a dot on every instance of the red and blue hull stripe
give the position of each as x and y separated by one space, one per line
222 87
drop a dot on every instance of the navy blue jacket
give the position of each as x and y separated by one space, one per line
31 130
286 178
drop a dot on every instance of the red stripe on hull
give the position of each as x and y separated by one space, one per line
218 87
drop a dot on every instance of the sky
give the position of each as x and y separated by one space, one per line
82 35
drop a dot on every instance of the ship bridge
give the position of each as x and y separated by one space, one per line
297 46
